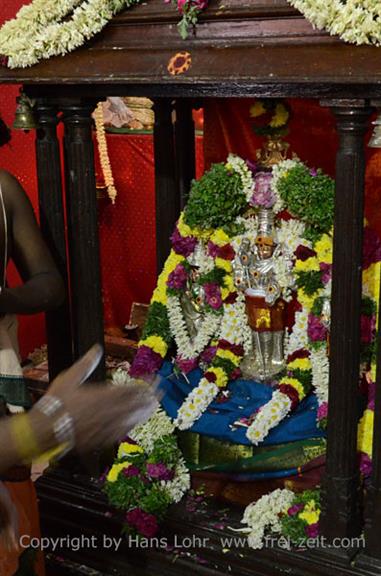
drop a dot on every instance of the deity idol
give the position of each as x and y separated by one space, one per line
256 274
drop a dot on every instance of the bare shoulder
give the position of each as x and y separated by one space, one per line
13 192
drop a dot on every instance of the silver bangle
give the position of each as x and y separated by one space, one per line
63 426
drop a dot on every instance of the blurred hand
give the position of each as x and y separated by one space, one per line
102 413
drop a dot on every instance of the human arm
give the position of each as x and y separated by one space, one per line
42 287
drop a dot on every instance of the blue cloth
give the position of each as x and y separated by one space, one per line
246 396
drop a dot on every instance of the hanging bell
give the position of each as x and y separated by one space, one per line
24 117
375 141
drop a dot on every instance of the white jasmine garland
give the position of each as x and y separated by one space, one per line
299 337
180 484
320 373
59 37
159 425
269 416
240 167
265 514
355 21
291 234
190 348
196 403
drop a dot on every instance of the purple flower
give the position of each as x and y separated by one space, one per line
295 509
159 471
262 193
183 245
371 395
315 330
312 530
177 278
313 172
322 411
131 471
252 166
213 295
326 270
208 354
368 326
365 465
146 362
186 365
371 251
145 524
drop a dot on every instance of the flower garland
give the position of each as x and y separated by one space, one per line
292 517
148 475
270 117
103 152
47 28
354 21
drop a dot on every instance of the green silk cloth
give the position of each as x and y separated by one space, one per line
203 453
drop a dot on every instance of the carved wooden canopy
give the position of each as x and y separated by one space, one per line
239 48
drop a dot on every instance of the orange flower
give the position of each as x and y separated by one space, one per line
179 63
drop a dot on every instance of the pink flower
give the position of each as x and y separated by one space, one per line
208 354
262 193
322 411
131 471
177 278
186 365
145 524
368 327
365 465
159 471
316 330
312 530
295 509
213 295
145 362
326 270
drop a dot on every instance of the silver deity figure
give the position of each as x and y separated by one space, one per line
256 273
193 299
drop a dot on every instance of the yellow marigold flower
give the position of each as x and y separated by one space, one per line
127 448
221 376
113 474
310 514
295 384
257 109
300 363
365 433
183 228
160 294
311 264
229 355
305 300
371 281
323 247
156 343
280 117
224 264
220 237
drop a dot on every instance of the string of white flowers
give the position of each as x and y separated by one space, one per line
190 348
299 336
196 403
355 21
291 234
265 515
320 373
158 425
57 38
234 325
239 166
103 153
31 20
269 416
180 484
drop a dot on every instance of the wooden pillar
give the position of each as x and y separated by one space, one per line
83 242
341 487
167 193
52 225
185 148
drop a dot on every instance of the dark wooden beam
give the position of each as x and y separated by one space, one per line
83 242
341 515
58 325
167 193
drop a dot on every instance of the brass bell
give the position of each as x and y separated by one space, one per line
375 141
24 116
